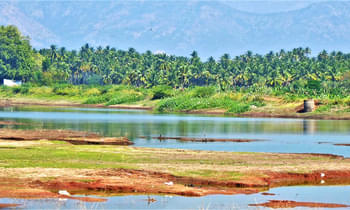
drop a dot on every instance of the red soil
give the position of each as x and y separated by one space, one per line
265 193
314 178
293 204
117 181
8 205
347 145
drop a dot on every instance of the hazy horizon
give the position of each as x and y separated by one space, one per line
212 28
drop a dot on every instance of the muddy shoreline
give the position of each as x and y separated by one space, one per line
218 112
108 182
8 205
293 204
70 136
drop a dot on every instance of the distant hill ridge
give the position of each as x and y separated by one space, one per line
179 27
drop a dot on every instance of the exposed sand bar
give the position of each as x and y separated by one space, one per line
74 137
293 204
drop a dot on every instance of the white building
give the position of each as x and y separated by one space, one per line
12 83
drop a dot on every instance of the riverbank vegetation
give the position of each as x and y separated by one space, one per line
109 76
207 99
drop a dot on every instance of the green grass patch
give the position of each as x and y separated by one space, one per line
55 156
126 96
217 175
187 103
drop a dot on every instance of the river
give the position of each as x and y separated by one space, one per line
279 135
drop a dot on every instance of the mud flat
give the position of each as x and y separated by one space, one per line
46 183
73 137
43 169
346 145
202 139
293 204
337 144
8 205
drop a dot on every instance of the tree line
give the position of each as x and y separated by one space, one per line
107 65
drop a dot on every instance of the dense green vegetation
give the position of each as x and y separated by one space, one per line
295 70
162 97
110 76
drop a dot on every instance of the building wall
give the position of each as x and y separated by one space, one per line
11 83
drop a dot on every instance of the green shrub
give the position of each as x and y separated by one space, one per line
324 108
104 89
118 88
186 103
22 89
92 92
67 90
161 91
95 80
125 96
313 84
44 90
239 108
203 92
291 98
97 100
237 96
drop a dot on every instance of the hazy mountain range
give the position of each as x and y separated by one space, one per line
179 27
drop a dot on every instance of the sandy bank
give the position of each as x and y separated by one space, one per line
73 137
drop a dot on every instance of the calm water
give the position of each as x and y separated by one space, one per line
323 194
281 135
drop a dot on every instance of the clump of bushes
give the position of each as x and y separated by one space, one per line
161 91
186 103
236 96
126 96
44 90
97 100
239 108
67 90
203 92
92 92
23 89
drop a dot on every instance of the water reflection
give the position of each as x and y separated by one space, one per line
310 126
283 135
